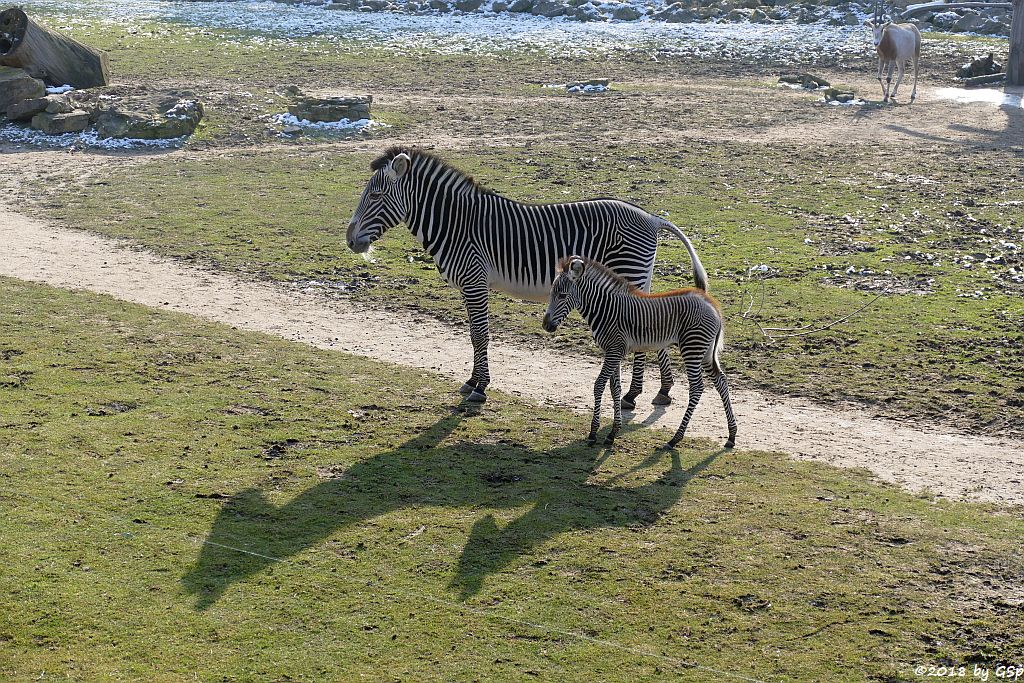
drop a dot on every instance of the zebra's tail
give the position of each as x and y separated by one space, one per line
700 276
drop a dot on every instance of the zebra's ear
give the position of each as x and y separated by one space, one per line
576 268
398 166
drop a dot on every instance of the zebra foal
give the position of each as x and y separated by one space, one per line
481 241
623 319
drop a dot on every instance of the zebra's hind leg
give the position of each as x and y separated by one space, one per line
665 365
476 307
695 376
636 384
721 383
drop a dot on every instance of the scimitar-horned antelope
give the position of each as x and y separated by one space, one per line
896 44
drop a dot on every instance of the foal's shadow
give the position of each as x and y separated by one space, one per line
431 470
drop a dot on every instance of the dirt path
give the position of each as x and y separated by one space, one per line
948 463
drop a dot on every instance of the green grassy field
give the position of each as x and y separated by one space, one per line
183 500
944 342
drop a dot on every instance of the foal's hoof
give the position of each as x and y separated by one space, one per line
731 443
670 446
591 439
609 440
467 389
662 399
627 403
476 397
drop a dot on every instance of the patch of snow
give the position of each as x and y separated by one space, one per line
855 102
588 89
89 138
982 95
357 126
59 90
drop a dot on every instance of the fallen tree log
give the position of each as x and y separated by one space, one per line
48 55
975 81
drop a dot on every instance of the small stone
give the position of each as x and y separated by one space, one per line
26 109
330 109
808 81
16 85
626 13
58 124
521 6
58 106
548 8
468 5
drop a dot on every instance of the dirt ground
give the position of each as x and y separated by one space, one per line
942 461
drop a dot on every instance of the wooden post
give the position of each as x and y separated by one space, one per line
1015 65
48 55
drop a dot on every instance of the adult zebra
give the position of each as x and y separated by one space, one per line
480 241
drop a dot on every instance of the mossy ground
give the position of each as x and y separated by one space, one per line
183 500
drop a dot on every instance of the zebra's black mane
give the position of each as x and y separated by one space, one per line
414 153
602 271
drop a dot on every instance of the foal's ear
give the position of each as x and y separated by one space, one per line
398 166
576 267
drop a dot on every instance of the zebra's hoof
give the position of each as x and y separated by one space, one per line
627 403
591 439
467 389
731 443
609 440
661 400
476 397
670 446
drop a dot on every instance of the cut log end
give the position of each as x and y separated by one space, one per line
48 55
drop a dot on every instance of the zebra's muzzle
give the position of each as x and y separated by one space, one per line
547 324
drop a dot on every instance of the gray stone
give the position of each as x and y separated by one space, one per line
758 17
836 95
738 15
626 13
548 8
993 27
26 109
521 6
808 81
587 13
58 105
970 22
499 6
468 5
58 124
16 85
170 116
322 109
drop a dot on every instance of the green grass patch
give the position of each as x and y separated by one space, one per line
944 341
184 500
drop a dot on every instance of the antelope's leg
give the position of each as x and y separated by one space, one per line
616 383
636 384
881 68
917 70
611 361
901 68
888 79
476 306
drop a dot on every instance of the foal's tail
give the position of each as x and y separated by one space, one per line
712 357
700 276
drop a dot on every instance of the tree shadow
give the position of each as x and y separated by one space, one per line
427 472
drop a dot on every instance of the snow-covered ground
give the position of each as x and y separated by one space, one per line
268 23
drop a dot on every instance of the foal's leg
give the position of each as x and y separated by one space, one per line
611 364
695 376
665 365
475 297
616 403
721 383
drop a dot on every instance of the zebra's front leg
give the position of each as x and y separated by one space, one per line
616 382
636 384
695 376
610 361
476 307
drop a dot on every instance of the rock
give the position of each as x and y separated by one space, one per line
57 124
323 109
994 27
738 15
804 80
292 91
626 13
548 8
587 13
677 13
945 20
836 95
170 116
57 105
980 66
16 85
468 5
499 6
26 109
521 6
968 23
758 17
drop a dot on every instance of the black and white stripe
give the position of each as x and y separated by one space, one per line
624 319
482 241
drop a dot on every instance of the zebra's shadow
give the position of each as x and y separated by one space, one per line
427 471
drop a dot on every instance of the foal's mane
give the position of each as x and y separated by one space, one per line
434 160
